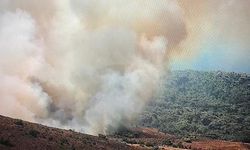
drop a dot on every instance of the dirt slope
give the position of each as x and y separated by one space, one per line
22 135
154 139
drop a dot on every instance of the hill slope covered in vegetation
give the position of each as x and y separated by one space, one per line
202 104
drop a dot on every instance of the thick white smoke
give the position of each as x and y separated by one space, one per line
84 64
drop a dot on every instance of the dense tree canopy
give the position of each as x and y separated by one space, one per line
202 104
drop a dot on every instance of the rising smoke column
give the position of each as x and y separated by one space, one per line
84 64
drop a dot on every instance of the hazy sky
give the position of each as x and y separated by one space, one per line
224 34
216 55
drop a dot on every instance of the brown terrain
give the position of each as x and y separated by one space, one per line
16 134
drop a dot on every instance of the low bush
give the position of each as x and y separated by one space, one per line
64 141
6 142
19 122
34 133
167 142
148 144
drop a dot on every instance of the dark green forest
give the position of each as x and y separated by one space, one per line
201 104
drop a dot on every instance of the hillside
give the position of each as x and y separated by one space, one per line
16 134
198 104
22 135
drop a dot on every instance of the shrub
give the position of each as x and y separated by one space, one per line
125 140
6 142
19 122
141 142
102 136
34 133
175 146
179 145
71 130
167 142
148 144
156 148
132 142
188 140
64 141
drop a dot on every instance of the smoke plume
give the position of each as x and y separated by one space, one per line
92 65
84 64
89 65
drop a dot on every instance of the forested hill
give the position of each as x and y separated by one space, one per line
202 104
